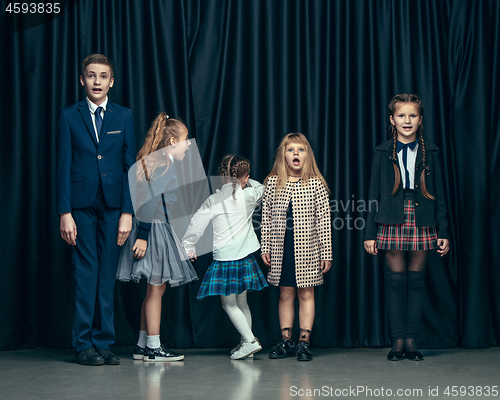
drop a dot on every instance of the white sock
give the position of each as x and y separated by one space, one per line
142 339
153 341
237 317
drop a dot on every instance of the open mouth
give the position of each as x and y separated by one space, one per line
407 128
296 161
96 90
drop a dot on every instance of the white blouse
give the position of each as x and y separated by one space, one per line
410 166
233 234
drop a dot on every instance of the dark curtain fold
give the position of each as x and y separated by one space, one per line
242 74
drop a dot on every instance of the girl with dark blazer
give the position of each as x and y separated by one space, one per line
410 219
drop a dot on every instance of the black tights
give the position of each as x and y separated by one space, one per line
405 296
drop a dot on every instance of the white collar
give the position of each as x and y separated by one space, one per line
93 106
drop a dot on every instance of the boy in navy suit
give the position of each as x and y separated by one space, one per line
95 149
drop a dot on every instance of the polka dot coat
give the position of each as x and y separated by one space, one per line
312 229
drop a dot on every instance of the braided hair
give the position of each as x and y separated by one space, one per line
394 105
232 168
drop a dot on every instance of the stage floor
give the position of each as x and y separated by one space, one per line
209 374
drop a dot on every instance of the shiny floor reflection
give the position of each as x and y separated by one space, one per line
209 374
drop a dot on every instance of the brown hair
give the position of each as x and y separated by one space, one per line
309 170
97 59
232 168
160 135
396 102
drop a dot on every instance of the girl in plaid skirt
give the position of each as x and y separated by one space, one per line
234 270
410 219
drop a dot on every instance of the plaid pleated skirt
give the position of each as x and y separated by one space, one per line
407 236
232 277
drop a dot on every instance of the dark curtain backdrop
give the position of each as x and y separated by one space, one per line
242 73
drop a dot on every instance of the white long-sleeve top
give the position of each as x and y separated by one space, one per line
233 234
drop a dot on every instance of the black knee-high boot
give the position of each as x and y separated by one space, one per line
396 303
415 305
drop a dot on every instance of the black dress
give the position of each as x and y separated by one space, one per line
288 265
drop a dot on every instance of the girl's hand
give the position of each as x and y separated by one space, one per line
67 227
139 248
192 256
370 247
266 257
325 266
444 246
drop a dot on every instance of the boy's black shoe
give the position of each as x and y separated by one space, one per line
304 352
109 357
285 348
89 357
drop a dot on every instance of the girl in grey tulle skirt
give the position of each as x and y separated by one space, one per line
152 249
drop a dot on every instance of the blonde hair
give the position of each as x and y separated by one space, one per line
232 168
309 170
159 135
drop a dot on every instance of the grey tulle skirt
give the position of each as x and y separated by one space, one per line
165 259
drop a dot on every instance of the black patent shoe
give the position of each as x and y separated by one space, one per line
89 357
161 354
304 352
395 356
414 356
285 348
138 353
109 357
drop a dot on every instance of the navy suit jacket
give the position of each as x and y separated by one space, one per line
82 161
390 208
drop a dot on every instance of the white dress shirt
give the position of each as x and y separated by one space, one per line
233 234
410 161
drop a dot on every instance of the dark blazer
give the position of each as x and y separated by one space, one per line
82 161
390 209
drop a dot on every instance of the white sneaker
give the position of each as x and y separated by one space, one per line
238 347
246 349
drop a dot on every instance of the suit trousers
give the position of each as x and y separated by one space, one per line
95 260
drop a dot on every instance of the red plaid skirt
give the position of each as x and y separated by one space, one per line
407 236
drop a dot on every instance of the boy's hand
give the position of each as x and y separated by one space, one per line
370 247
266 257
67 227
124 228
139 248
444 246
325 266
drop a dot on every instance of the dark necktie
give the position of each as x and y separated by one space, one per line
404 147
98 121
